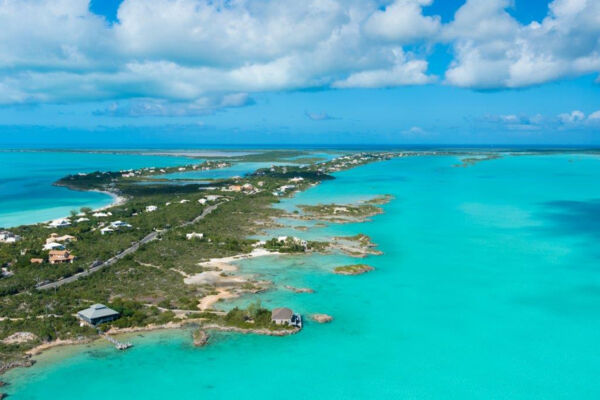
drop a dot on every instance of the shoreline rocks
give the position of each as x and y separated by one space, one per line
200 338
266 332
322 318
16 364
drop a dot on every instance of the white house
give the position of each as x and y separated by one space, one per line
151 208
100 214
60 223
297 179
106 230
202 201
213 197
184 201
194 235
53 246
120 224
82 219
9 237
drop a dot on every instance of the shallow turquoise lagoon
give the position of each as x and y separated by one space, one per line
26 177
489 288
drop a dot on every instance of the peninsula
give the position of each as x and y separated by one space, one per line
161 257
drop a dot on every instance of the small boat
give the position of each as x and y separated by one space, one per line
297 320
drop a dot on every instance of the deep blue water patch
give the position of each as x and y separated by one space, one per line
573 217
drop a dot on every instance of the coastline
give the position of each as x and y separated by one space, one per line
223 264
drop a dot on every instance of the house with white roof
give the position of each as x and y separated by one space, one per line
194 235
53 246
9 237
60 223
106 230
120 224
151 208
100 214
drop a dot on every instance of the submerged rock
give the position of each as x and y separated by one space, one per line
322 318
299 290
200 338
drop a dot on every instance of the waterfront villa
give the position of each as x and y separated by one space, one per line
101 214
60 256
285 316
281 316
97 314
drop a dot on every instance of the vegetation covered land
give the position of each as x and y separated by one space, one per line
355 269
166 234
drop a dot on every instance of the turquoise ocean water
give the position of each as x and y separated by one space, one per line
489 288
26 178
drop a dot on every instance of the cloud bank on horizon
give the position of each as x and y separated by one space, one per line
213 54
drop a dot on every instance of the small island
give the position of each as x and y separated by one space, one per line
322 318
355 269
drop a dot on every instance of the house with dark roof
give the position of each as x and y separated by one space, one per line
97 314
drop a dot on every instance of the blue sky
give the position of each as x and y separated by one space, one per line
132 72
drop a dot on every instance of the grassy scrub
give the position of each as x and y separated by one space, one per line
147 286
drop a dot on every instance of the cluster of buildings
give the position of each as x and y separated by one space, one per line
353 160
57 253
246 188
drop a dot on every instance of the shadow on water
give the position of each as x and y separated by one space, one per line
573 217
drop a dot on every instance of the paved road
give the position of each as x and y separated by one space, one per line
93 268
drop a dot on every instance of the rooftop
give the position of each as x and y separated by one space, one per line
97 311
281 313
